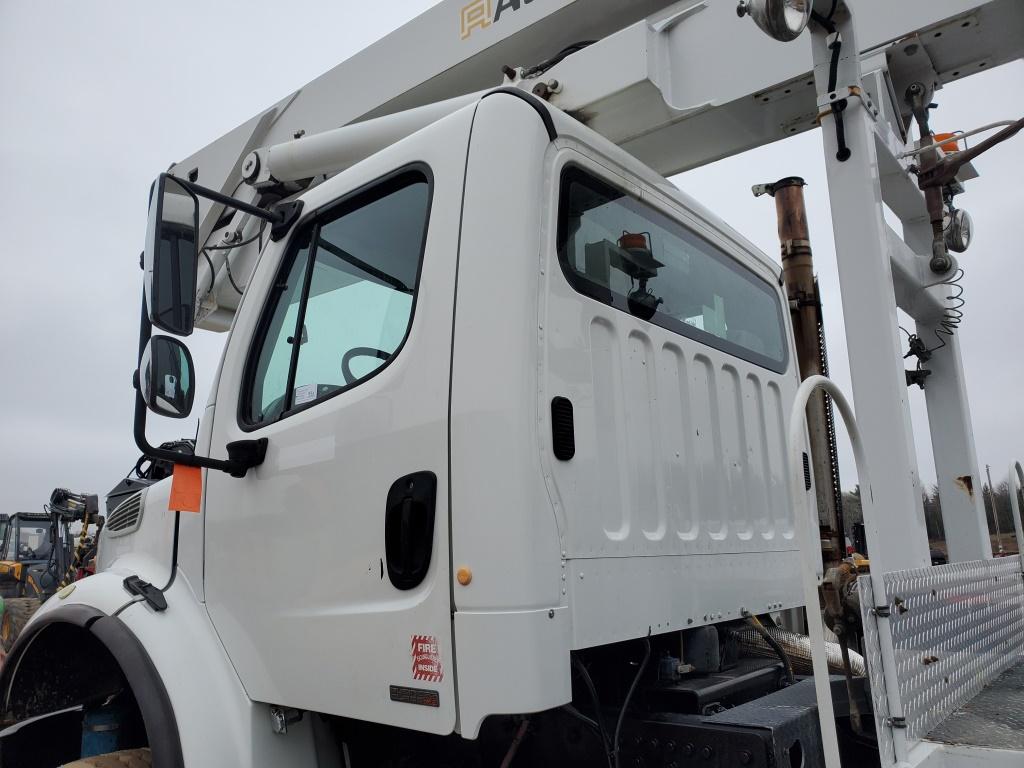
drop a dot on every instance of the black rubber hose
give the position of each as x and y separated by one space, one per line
596 702
629 696
753 621
174 552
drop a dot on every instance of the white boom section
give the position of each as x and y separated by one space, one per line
692 86
663 81
448 51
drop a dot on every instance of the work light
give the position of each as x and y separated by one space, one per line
782 19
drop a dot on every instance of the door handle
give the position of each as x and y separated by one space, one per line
409 528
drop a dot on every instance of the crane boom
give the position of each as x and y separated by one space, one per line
661 80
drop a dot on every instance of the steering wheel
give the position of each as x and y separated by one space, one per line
25 552
273 410
346 360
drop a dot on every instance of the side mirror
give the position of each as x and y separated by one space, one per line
171 257
167 377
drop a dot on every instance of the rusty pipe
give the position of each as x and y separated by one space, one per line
805 310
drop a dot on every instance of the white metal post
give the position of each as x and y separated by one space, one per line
897 536
950 425
956 463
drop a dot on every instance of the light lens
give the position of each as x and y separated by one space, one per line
783 20
959 229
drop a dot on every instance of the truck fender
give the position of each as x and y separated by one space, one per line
41 657
193 706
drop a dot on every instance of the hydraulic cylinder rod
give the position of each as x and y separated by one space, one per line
331 151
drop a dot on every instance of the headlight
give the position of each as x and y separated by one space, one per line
782 19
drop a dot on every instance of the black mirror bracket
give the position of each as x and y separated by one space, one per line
245 454
281 216
242 454
286 214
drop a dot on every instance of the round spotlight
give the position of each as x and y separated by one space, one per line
782 19
958 229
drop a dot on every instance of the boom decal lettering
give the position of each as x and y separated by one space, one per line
477 14
426 659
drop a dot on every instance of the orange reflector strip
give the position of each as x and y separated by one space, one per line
186 489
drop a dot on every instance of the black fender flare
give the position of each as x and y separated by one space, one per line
136 666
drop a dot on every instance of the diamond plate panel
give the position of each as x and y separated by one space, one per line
954 628
873 659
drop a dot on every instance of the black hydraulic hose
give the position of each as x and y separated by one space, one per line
513 748
544 66
592 724
596 702
629 696
753 621
856 721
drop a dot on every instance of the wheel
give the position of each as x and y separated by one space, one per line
128 758
17 612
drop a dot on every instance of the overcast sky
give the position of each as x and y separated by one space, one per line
97 98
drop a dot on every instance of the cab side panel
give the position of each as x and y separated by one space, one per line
678 487
511 631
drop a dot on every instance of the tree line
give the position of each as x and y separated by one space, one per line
999 497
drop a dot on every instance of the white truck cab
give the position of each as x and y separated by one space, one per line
502 462
467 303
520 398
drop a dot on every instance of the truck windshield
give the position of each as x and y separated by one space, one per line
623 252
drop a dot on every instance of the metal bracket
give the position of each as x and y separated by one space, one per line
896 722
282 717
843 94
882 611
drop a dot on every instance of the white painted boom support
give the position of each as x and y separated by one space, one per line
662 81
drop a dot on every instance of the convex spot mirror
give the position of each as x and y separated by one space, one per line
783 20
167 377
171 257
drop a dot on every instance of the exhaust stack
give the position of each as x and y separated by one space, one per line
809 334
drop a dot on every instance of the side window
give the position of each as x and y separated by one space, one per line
270 381
626 253
344 302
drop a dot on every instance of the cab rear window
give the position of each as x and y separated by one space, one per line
629 255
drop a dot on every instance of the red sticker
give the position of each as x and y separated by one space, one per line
426 659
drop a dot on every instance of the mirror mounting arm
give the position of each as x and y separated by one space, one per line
280 216
242 454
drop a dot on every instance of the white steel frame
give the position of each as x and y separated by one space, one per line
880 271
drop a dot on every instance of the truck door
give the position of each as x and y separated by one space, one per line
327 567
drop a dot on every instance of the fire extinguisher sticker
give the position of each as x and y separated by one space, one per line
426 659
